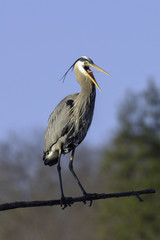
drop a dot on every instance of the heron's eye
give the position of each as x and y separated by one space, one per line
86 63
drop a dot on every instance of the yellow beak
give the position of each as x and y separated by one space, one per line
92 79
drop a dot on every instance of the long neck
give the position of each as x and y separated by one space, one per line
85 101
87 86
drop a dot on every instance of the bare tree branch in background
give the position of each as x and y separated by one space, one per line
69 200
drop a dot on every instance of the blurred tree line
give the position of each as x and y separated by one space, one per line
128 161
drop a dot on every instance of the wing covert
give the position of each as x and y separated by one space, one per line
59 121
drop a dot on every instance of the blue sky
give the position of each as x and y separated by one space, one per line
40 40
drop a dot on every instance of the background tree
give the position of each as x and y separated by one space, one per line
132 160
23 177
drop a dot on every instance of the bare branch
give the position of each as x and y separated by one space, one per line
70 200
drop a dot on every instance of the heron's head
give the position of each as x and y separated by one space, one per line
83 64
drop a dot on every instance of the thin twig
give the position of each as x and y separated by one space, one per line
70 200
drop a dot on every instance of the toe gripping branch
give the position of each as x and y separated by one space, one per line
68 201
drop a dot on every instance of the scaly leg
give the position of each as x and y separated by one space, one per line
75 176
59 173
64 201
80 185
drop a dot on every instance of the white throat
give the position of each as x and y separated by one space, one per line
80 66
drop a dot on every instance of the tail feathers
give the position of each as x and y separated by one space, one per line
50 158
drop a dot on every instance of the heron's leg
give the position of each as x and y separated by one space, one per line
59 173
64 201
72 171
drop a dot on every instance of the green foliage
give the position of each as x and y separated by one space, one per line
131 162
23 177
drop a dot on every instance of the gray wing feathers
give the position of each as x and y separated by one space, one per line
59 121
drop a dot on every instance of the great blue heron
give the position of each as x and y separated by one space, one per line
69 122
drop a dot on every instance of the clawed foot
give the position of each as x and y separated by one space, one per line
87 196
68 201
65 202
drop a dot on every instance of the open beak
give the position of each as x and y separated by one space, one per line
91 75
